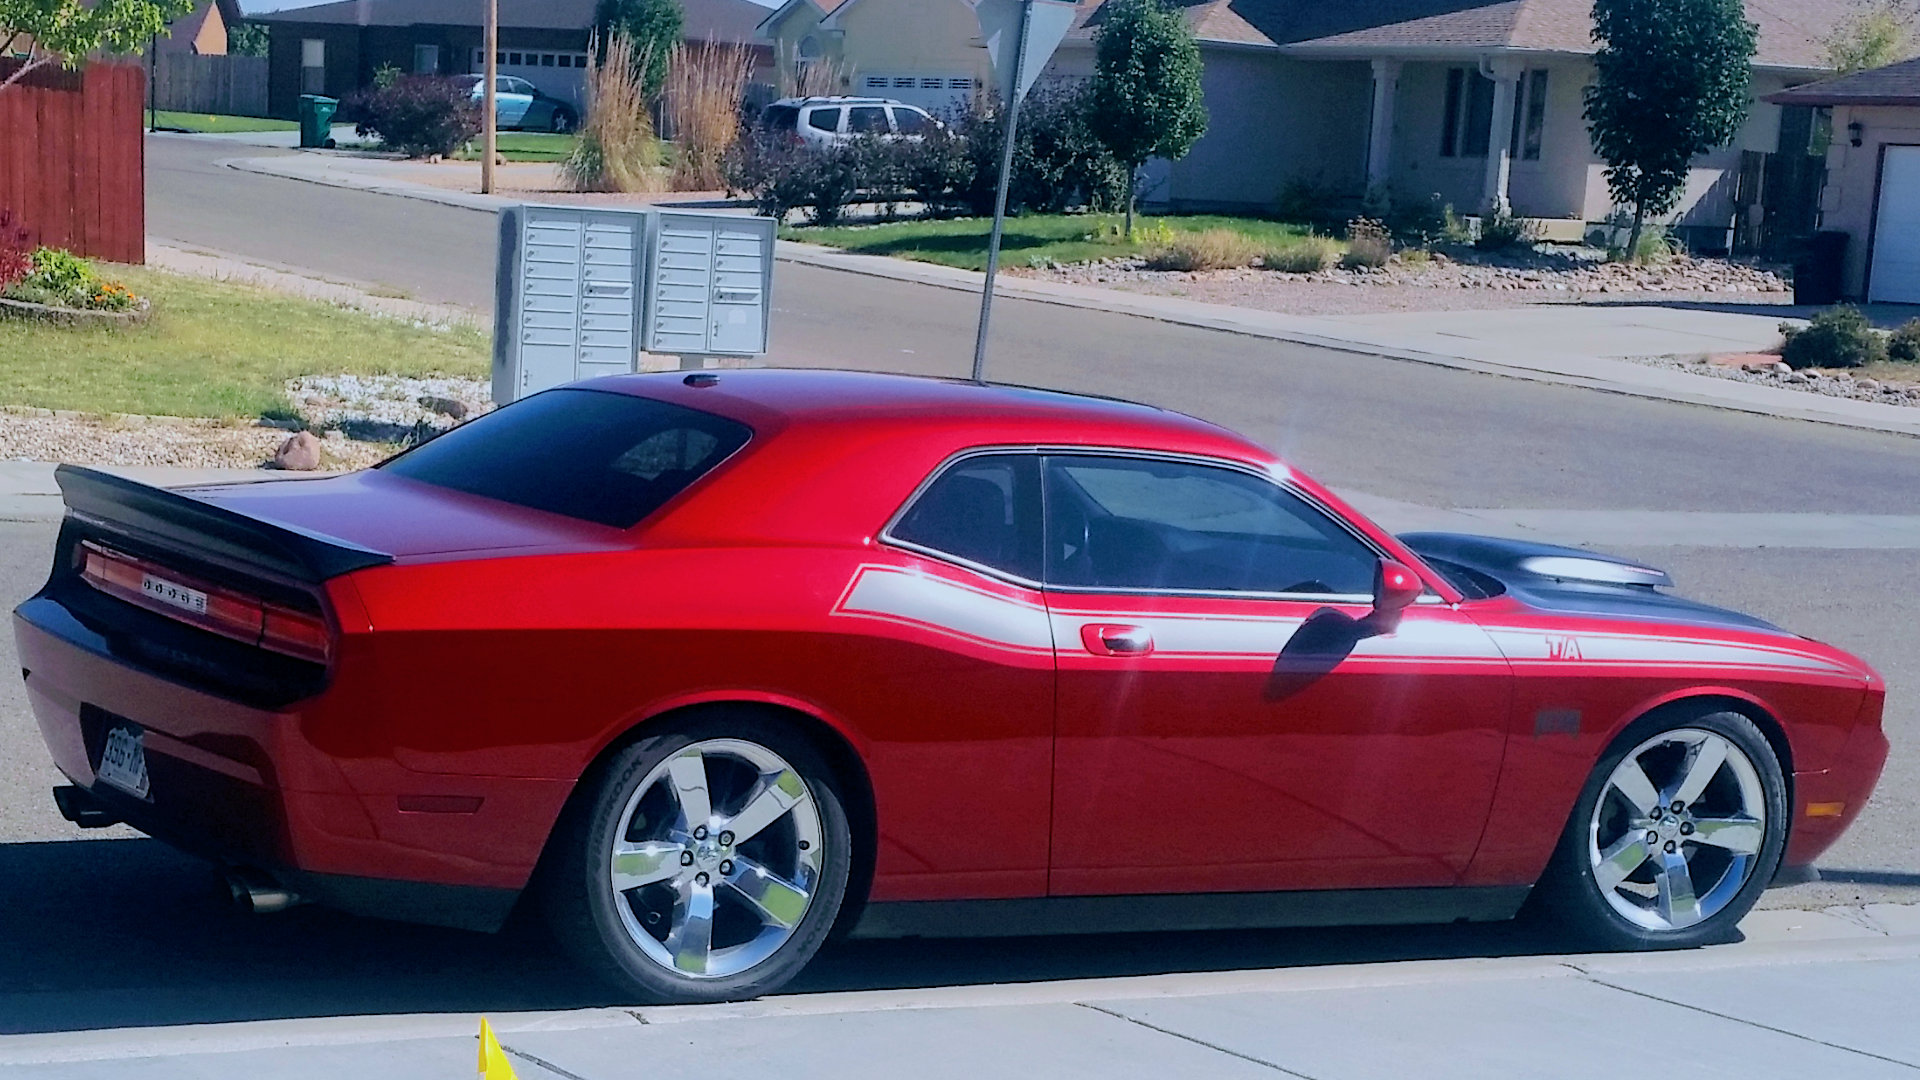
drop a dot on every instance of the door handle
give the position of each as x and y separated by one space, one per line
1108 640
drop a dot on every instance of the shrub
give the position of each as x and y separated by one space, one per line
1904 345
1501 231
1208 249
1840 337
61 272
62 279
616 150
1304 199
1420 222
16 249
705 85
419 115
1369 244
1310 256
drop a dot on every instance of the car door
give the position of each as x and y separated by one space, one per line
511 100
868 120
1225 723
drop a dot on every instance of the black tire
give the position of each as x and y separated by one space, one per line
1569 899
563 122
577 896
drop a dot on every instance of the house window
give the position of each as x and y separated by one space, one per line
313 66
426 59
1469 119
1529 115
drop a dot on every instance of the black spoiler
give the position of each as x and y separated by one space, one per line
180 520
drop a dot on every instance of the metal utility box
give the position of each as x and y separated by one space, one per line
570 296
712 284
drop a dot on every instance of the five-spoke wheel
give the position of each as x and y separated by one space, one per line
710 865
1675 836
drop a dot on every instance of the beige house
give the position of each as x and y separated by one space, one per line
1873 177
1478 102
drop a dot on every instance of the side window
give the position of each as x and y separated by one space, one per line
824 119
867 120
910 121
985 510
1128 523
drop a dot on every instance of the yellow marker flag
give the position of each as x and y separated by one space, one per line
493 1060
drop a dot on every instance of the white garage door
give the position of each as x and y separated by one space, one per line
1896 235
942 95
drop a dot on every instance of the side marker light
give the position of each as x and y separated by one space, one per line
1826 809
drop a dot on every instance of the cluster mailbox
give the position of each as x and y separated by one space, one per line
584 291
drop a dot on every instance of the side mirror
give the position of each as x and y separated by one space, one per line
1395 588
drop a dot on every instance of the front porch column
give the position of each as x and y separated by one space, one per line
1505 73
1386 81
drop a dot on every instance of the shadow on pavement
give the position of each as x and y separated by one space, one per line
129 933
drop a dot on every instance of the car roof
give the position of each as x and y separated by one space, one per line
803 102
953 412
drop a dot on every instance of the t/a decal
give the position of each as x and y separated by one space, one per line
1563 648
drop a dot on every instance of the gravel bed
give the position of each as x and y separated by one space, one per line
1441 283
39 435
386 407
1831 383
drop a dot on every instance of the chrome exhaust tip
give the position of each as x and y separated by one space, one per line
257 893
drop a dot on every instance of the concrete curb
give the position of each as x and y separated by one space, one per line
1536 365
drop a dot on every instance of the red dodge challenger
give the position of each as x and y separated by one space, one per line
711 667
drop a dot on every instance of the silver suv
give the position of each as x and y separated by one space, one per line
829 121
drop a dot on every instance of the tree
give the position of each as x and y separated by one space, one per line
1146 99
1874 35
653 26
247 39
1672 83
66 31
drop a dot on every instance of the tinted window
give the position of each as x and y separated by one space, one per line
780 118
824 119
984 510
908 122
589 454
868 120
1122 523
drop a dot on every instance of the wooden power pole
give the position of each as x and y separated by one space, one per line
488 123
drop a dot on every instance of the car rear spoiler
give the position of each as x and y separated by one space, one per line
179 520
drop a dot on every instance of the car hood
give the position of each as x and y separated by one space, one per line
405 518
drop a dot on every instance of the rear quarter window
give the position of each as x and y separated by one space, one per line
598 456
780 118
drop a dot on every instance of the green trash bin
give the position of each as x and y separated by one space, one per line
316 121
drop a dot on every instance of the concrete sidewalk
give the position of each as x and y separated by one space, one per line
1806 994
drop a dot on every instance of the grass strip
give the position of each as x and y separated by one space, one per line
1035 239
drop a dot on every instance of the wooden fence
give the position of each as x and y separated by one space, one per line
72 160
188 82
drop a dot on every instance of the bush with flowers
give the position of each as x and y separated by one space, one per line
54 278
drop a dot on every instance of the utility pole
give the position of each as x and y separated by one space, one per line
1012 106
489 126
153 84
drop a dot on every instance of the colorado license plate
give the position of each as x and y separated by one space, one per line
123 762
172 592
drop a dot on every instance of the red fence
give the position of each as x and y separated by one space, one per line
72 163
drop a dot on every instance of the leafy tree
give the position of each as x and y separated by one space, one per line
1874 35
247 39
1145 98
654 26
1672 83
66 31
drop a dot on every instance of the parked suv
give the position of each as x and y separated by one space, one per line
829 121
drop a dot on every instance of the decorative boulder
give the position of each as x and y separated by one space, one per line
301 453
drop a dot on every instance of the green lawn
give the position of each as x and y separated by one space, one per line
182 121
216 349
1030 238
526 146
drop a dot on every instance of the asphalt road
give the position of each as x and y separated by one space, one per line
1426 435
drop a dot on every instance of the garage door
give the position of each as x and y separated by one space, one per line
1896 235
942 95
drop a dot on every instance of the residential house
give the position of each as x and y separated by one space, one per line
1873 176
1475 101
335 48
201 32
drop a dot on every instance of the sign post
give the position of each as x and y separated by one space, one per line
1021 36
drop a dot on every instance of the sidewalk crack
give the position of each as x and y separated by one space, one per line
1197 1042
542 1063
1753 1023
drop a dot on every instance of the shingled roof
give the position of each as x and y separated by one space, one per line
1790 30
1896 84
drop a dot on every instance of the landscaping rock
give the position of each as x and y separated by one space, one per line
301 453
446 407
387 408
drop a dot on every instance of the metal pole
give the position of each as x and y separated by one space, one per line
1000 197
153 84
490 141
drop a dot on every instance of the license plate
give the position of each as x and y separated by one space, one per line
172 592
123 762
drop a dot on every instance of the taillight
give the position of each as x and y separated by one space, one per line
221 610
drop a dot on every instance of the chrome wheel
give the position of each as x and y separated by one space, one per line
716 858
1677 830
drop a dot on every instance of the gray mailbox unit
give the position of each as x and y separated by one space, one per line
711 284
570 296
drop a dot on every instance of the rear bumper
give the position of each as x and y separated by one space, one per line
251 787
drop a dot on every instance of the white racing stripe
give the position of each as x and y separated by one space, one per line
946 606
1535 647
